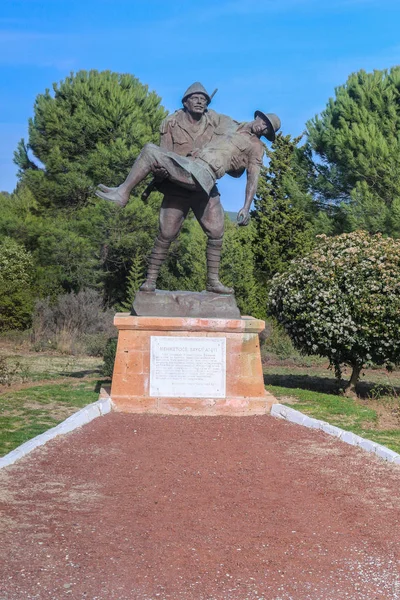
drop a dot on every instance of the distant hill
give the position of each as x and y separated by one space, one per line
231 215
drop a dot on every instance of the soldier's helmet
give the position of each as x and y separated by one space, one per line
273 121
196 88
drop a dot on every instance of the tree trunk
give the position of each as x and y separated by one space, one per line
355 376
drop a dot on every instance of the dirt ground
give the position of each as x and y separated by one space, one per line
151 507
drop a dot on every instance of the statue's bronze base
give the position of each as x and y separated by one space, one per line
185 304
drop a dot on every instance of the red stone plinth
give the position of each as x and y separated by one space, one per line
245 392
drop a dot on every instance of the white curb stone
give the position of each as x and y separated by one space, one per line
368 445
312 423
83 416
351 438
385 453
330 429
295 416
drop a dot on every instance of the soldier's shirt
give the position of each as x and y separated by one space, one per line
214 160
179 135
242 145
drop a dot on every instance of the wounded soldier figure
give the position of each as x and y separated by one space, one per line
234 151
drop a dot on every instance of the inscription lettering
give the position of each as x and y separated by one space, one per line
188 367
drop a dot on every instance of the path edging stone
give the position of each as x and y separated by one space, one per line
295 416
104 406
85 415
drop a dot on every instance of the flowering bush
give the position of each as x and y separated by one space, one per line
342 301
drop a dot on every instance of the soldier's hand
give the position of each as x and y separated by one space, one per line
243 217
236 163
160 173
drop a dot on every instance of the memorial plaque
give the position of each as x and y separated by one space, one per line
191 367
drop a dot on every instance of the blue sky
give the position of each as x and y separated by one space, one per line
282 56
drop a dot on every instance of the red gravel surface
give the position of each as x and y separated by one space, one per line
153 507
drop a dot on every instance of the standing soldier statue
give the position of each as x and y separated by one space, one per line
184 132
210 146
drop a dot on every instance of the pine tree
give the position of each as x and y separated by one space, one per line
356 145
135 279
283 212
237 269
89 131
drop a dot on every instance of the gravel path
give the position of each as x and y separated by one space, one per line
152 507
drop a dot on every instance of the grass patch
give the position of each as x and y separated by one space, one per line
389 438
345 413
46 366
31 367
319 378
338 410
31 411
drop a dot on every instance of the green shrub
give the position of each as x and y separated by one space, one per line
342 301
109 356
94 344
73 323
276 341
17 338
8 371
16 274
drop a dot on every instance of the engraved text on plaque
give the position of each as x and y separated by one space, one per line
191 367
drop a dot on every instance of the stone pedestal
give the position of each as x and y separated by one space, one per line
207 366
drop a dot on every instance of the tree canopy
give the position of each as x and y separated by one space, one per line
282 212
356 144
89 130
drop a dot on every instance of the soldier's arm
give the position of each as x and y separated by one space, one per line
222 124
253 174
166 141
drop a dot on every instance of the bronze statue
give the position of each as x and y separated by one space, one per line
184 132
190 177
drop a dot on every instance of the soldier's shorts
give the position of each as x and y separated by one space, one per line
190 173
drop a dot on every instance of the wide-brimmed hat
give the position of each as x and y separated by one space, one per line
196 88
272 120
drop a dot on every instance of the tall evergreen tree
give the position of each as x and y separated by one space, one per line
283 211
91 246
237 268
90 129
135 279
356 144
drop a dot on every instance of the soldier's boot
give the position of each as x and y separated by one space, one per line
214 285
139 171
157 257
